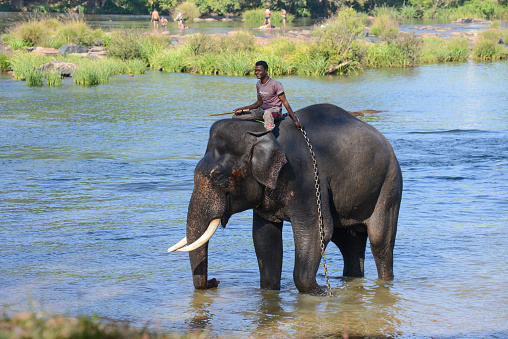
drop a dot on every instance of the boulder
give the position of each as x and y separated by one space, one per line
45 51
72 48
65 68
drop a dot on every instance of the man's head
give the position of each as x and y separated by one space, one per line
261 69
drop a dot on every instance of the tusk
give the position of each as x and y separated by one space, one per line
214 224
178 245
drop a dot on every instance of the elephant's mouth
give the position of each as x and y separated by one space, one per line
182 246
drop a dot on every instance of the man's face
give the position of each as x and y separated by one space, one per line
260 72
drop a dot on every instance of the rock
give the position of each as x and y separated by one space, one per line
471 20
66 68
72 48
45 51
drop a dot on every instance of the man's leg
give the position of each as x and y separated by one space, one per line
270 116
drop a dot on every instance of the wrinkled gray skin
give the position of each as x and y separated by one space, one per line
361 188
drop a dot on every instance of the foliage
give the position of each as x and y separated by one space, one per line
125 45
219 7
51 32
34 77
337 40
24 64
53 78
495 25
29 325
94 72
489 46
189 10
257 17
404 51
152 45
385 24
5 64
443 50
409 12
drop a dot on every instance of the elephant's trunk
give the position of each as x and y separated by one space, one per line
203 218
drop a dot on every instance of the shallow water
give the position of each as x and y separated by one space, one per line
95 183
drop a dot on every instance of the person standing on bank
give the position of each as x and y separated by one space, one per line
271 97
284 14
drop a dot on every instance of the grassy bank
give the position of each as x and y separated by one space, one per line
29 325
337 46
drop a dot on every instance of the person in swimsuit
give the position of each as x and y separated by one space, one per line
164 22
267 18
179 18
155 19
271 97
284 17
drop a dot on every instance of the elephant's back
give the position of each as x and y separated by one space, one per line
325 114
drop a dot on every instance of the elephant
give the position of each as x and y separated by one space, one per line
246 167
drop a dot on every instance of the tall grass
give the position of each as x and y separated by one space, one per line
5 63
385 24
436 50
488 46
404 51
53 78
257 17
25 64
51 32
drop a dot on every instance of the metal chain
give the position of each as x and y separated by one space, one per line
318 198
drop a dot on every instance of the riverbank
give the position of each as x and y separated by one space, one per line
345 44
38 325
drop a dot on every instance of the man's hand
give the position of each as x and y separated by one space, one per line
298 124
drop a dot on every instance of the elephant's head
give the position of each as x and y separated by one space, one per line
241 159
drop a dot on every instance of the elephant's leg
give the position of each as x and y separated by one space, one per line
352 246
382 228
268 245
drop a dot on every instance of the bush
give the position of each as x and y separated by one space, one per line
444 50
495 25
189 10
125 46
152 45
489 50
385 25
336 34
236 42
404 51
4 62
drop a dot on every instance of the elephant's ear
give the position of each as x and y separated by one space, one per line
267 157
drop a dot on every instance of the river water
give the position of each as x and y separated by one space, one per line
95 183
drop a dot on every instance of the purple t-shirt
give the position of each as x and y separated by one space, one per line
269 93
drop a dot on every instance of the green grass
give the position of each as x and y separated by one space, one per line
257 17
24 65
5 63
53 78
29 325
436 50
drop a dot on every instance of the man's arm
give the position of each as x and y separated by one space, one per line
282 98
254 105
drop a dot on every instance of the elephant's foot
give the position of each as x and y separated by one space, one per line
212 283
